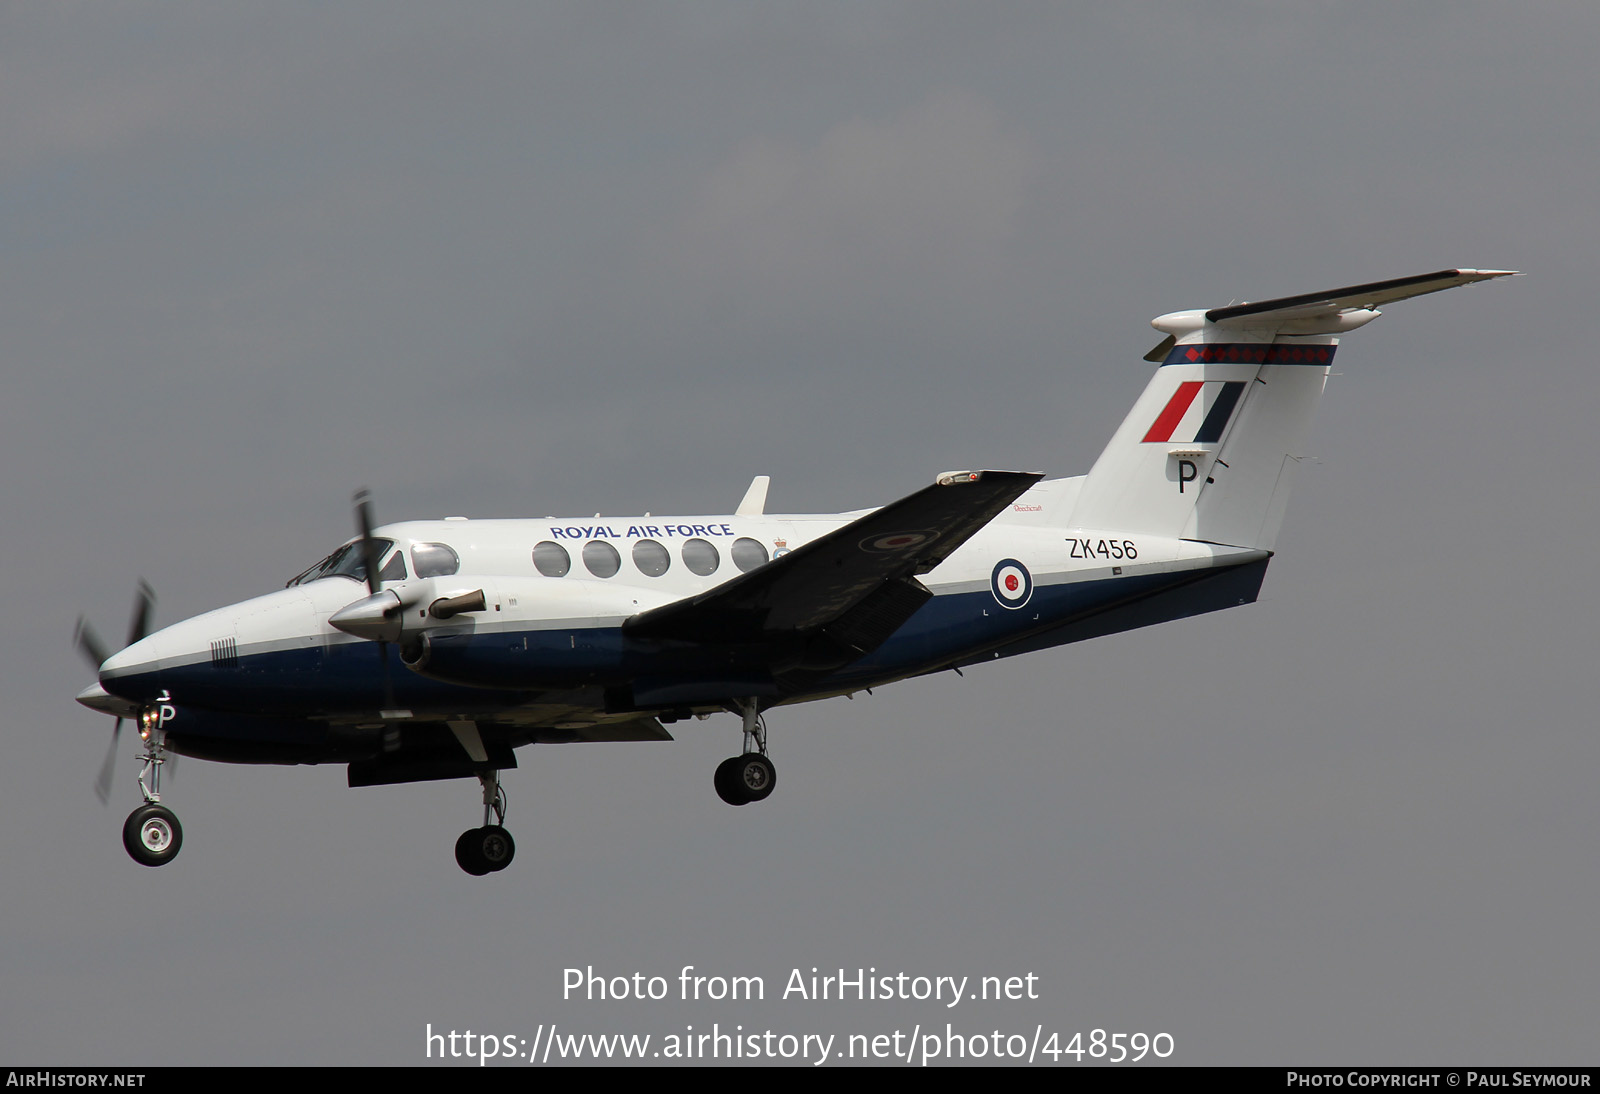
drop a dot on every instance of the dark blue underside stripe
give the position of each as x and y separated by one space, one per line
952 628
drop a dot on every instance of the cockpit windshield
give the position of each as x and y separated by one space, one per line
349 561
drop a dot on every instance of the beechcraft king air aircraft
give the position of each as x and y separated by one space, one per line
435 649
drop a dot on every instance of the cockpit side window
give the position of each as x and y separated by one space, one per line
434 559
395 568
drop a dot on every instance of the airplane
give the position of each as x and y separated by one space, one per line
434 649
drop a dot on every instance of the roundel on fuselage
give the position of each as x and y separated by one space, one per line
1011 583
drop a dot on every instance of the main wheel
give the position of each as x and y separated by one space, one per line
729 787
496 847
152 835
469 853
485 850
756 776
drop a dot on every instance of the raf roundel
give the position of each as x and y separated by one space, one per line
1011 583
897 541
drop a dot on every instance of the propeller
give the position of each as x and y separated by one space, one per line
371 555
95 652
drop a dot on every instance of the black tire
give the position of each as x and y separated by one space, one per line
469 853
496 847
755 776
729 788
152 835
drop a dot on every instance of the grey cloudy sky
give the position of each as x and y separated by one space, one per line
519 259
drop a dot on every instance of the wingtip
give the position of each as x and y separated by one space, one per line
952 478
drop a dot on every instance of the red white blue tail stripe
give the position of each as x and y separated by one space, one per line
1197 413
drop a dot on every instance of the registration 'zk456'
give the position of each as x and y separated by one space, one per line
1102 548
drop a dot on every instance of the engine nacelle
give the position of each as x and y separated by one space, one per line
391 614
502 632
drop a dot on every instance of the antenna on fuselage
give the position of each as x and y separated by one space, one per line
755 498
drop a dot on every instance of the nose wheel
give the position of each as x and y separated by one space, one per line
489 849
152 835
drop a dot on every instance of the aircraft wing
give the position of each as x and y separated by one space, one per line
867 568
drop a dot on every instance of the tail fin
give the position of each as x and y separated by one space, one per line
1208 450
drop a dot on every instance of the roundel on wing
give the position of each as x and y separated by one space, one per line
1011 583
897 541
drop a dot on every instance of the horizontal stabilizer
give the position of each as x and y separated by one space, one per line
1352 297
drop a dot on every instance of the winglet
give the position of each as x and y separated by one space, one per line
755 498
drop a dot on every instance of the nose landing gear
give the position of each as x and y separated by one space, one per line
488 849
152 834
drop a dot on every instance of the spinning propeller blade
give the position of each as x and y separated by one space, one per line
371 556
94 651
144 601
89 644
102 782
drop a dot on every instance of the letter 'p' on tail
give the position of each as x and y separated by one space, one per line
1208 451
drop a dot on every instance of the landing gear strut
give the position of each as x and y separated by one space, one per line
488 849
750 777
152 833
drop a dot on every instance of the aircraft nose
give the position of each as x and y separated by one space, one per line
122 672
188 656
142 656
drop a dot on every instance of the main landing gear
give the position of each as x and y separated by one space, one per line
741 780
488 849
152 833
